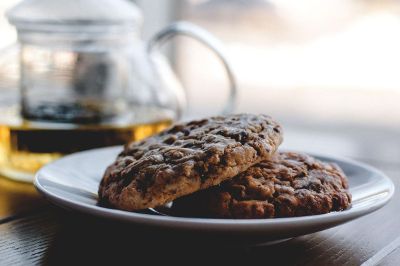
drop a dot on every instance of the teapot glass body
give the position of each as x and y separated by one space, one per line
100 76
93 77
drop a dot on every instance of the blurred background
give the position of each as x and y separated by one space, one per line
327 70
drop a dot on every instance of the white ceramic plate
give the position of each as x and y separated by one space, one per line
72 183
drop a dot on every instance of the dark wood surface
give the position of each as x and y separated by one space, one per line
34 232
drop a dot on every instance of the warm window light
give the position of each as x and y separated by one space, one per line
305 60
363 56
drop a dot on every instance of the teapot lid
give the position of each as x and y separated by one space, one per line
39 14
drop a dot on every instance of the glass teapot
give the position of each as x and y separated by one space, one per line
83 61
87 80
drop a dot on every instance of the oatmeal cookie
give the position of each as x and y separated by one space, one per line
290 184
186 158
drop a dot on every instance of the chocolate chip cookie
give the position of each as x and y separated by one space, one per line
186 158
290 184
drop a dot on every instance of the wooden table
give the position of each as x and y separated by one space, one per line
34 232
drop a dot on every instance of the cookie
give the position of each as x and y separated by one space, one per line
186 158
290 184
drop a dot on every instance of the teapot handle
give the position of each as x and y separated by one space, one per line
204 37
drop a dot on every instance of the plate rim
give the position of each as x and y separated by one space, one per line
189 222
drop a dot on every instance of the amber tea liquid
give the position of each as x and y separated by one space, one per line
27 146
